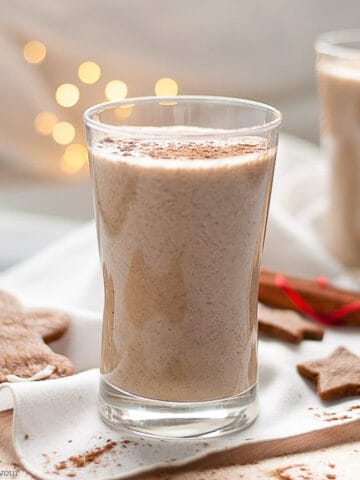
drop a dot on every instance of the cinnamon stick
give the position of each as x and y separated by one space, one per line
323 299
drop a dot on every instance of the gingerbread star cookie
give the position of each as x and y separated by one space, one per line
287 325
336 376
24 354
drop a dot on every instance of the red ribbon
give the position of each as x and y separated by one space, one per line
333 318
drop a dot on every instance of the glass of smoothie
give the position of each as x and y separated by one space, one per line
338 72
181 191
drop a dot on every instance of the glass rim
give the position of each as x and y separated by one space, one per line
168 100
334 43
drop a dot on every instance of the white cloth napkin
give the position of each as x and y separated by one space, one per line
54 419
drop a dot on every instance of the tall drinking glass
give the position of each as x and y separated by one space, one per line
181 189
338 70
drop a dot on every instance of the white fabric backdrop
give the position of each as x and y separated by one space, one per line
256 49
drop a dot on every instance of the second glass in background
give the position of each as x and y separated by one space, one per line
338 71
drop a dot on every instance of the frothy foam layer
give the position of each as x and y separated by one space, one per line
348 70
194 144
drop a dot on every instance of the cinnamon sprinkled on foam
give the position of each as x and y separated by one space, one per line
181 150
193 144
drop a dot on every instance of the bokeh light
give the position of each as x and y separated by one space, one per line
34 51
74 158
116 90
124 111
89 72
67 95
44 122
63 133
166 87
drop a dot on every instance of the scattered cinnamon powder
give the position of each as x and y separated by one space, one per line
86 458
124 443
61 465
331 416
354 407
331 476
26 436
284 474
332 419
91 456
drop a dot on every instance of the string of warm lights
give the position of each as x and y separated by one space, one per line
63 133
89 72
166 87
67 95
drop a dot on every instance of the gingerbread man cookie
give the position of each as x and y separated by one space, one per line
24 354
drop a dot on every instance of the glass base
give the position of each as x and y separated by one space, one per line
176 419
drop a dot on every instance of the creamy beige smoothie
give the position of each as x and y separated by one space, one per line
339 87
181 227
